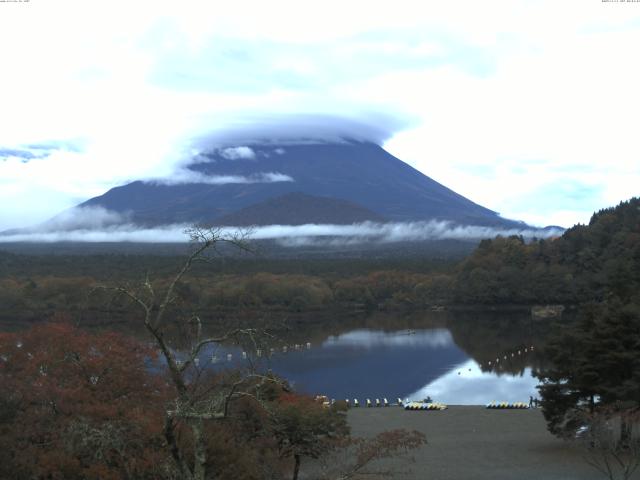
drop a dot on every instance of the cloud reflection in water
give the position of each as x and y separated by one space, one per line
474 387
367 339
365 363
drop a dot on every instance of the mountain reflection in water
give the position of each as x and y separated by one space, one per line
364 363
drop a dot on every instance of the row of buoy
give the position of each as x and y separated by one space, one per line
263 352
407 405
285 349
506 357
424 406
368 403
507 405
216 359
299 346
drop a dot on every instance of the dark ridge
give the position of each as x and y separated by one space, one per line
298 209
358 172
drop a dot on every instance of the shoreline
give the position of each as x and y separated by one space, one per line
473 442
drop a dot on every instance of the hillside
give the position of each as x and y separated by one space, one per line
226 180
298 209
588 262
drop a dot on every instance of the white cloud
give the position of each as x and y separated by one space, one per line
495 85
190 176
121 233
85 218
97 224
338 235
467 384
369 339
237 153
301 128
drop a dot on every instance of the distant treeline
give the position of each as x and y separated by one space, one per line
587 263
37 286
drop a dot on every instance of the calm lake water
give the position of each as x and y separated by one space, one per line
445 356
409 363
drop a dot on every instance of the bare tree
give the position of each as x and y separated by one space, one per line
360 457
195 402
611 442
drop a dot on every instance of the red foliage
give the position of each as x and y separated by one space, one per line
78 405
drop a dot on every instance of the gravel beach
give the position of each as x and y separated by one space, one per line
474 443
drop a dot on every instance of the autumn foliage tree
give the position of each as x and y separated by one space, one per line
196 403
304 427
79 405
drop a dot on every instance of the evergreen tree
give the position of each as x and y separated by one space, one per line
595 365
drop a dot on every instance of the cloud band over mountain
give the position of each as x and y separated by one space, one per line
189 176
99 225
282 129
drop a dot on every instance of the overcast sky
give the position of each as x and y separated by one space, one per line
528 107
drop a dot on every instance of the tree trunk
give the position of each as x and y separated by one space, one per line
625 433
169 435
199 449
296 466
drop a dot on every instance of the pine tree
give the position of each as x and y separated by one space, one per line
595 365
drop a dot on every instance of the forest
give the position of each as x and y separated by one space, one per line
587 262
78 403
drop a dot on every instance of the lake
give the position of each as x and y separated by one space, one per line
457 358
473 361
